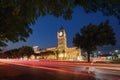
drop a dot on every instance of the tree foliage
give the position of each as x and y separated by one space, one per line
16 16
26 51
107 7
12 53
21 52
92 36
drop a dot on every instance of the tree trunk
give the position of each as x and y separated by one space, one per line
56 54
88 56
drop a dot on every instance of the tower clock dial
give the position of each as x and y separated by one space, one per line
61 33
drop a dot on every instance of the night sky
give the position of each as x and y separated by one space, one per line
45 29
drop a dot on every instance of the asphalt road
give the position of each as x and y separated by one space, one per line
49 70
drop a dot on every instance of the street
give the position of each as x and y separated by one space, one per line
14 69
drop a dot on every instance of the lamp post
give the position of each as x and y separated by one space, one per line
111 55
116 50
99 53
116 54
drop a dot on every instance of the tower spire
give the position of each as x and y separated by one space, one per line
61 28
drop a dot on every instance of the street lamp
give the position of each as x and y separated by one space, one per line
116 50
116 54
99 53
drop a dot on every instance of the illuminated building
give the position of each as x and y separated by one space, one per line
36 49
64 53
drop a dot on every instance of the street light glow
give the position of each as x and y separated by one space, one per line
116 50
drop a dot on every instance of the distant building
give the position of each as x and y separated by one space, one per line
36 49
64 53
119 56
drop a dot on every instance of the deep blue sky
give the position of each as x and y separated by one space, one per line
45 29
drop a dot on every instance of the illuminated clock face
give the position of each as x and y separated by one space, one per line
61 33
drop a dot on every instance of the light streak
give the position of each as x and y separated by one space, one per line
63 67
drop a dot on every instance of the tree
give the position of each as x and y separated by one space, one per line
8 54
92 36
107 7
57 53
26 51
15 53
2 55
16 16
115 56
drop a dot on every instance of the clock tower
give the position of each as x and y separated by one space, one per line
61 35
62 52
